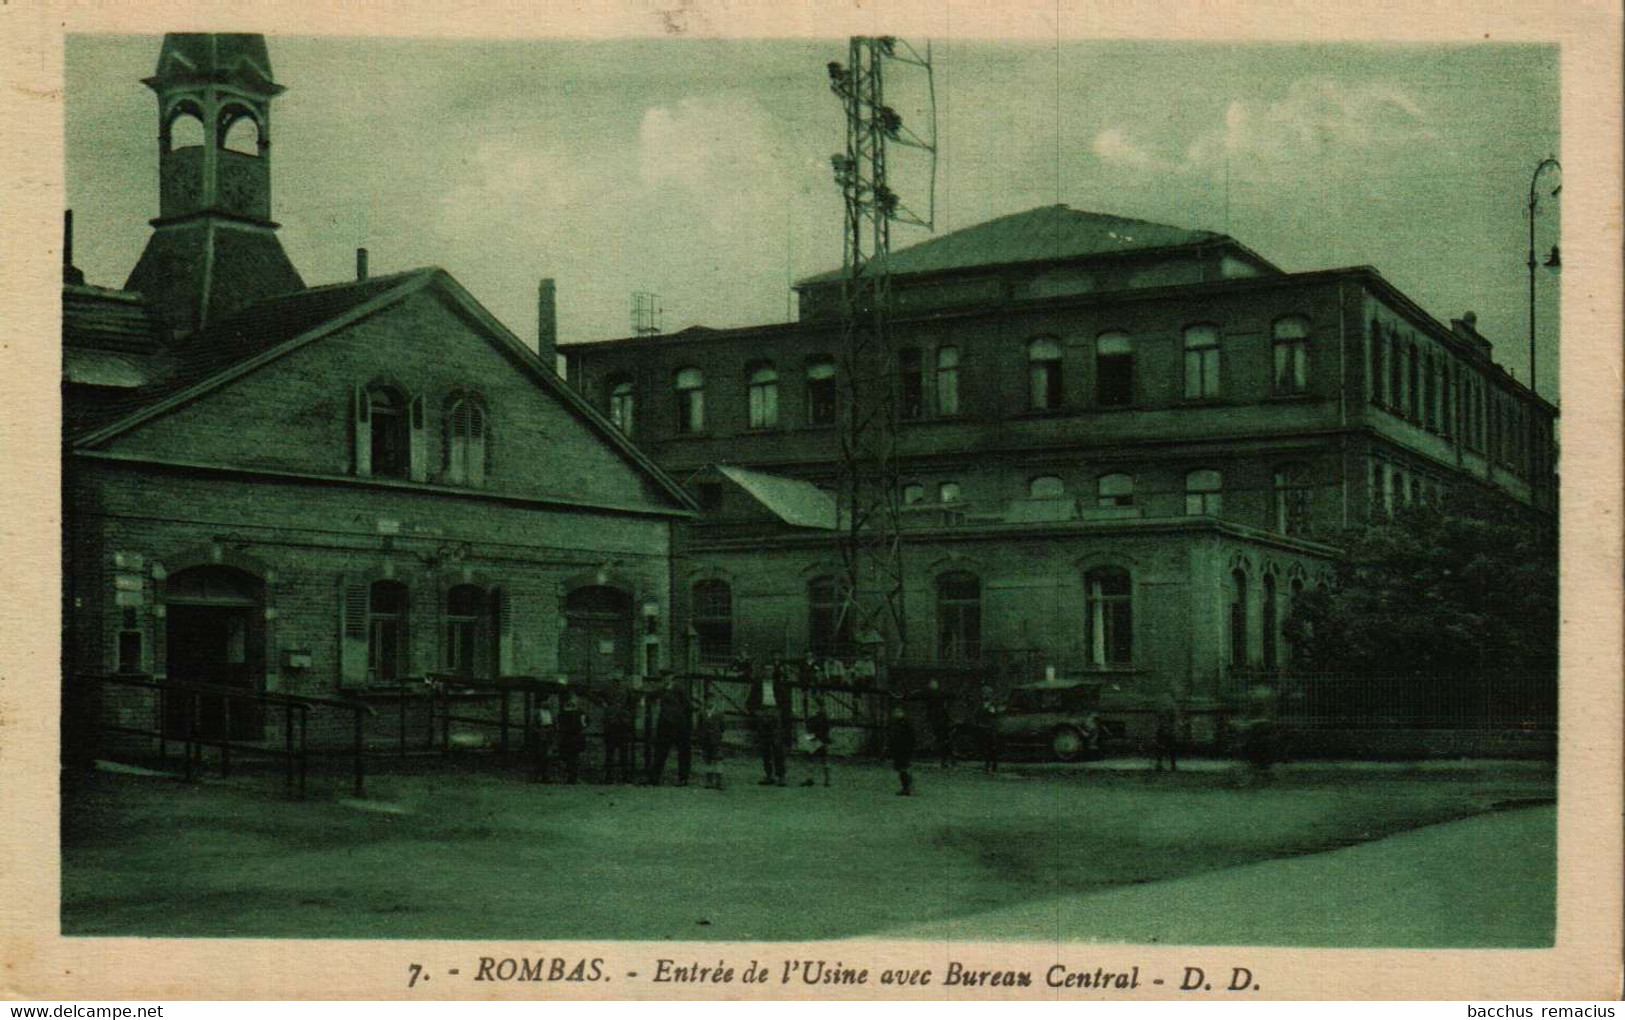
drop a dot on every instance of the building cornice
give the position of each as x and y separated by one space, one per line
282 476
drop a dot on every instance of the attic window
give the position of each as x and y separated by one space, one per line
465 444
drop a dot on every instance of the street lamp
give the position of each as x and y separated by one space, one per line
1553 260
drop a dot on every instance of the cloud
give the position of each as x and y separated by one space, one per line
1317 119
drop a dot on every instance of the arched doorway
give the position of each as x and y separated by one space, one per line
215 634
597 638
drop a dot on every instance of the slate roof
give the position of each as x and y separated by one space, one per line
797 503
251 331
1047 233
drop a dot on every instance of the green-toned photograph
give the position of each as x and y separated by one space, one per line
774 491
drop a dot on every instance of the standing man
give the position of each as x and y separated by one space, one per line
1167 735
900 745
542 735
988 715
936 715
674 726
768 703
572 737
620 726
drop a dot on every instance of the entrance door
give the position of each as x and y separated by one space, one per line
597 638
214 636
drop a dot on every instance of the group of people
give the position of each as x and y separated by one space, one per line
674 727
677 724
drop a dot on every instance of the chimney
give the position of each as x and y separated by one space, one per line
547 324
360 264
70 274
1471 319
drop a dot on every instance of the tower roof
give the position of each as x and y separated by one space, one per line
1045 234
237 58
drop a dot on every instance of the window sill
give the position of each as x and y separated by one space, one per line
1291 398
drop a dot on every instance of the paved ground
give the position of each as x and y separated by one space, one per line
1090 853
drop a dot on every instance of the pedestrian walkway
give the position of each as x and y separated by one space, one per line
1488 880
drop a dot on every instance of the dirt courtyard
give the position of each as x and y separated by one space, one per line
471 851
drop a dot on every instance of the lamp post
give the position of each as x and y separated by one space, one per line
1552 260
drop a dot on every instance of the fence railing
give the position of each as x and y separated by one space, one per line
196 716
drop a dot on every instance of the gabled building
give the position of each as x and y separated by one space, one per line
1126 446
327 490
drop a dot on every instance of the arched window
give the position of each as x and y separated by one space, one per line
948 492
913 493
1271 622
1291 341
713 621
910 383
1238 618
1114 370
1407 378
821 391
465 446
1292 499
764 398
947 381
1430 390
239 131
1109 625
390 432
622 405
690 386
185 129
1115 490
1203 493
1044 374
1201 362
468 631
828 628
959 617
387 615
1046 487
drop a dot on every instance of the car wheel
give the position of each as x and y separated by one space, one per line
1068 743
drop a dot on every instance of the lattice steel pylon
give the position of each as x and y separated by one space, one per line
870 518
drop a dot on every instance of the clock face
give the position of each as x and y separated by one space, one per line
182 191
241 188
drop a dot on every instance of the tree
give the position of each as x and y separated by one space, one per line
1464 587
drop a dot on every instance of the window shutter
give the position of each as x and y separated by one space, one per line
503 611
475 454
457 444
363 432
418 442
353 606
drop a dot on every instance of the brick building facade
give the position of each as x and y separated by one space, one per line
328 490
1124 446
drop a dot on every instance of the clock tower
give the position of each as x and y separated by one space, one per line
214 246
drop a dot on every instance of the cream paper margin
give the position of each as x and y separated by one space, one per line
36 963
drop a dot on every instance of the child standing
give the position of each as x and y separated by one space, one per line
572 733
710 734
900 744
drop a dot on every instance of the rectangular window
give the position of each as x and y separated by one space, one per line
129 651
1201 362
821 392
948 381
910 383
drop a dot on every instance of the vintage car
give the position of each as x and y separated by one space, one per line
1060 716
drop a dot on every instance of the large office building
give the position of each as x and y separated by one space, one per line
1125 448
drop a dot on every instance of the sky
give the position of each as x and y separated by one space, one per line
699 169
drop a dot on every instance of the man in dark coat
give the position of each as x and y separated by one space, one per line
900 745
572 727
674 726
768 703
936 716
620 727
988 716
